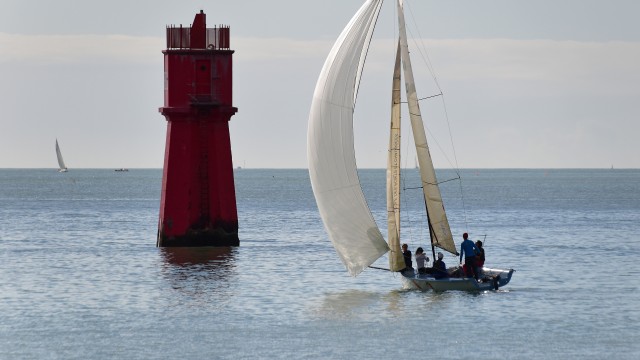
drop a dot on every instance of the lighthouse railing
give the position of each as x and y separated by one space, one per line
179 37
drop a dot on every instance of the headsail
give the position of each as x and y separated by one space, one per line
330 148
438 223
396 260
61 164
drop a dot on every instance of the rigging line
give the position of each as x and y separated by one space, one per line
457 166
444 153
446 116
425 56
432 96
438 183
427 61
464 206
442 182
395 23
378 268
424 98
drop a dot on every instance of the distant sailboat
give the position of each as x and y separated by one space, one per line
61 166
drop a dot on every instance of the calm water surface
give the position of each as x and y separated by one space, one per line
81 278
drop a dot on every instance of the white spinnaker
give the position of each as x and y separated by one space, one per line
59 155
396 259
440 230
330 148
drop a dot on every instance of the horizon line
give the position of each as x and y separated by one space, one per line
304 168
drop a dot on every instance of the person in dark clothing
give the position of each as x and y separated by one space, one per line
469 250
480 257
408 263
440 268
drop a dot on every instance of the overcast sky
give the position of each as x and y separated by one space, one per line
527 84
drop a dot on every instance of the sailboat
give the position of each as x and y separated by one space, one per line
61 166
333 172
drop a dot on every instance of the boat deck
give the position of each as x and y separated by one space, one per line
492 279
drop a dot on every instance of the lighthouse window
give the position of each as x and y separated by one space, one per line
203 68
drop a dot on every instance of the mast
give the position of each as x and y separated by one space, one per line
396 259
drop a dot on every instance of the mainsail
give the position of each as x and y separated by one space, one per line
330 148
61 165
438 223
396 259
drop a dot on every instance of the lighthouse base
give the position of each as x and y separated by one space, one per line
200 237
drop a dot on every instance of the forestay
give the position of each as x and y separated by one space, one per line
330 149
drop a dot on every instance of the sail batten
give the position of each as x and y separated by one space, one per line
439 224
330 147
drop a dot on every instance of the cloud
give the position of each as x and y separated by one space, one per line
508 99
559 63
51 49
267 49
123 48
458 59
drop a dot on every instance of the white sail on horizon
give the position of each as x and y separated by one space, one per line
61 166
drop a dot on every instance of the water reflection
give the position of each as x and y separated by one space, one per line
213 257
406 303
365 305
350 304
200 273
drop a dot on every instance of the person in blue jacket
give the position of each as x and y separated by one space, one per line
469 250
440 268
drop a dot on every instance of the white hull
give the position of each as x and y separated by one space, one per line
62 170
494 279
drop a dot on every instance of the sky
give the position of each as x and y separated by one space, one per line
526 84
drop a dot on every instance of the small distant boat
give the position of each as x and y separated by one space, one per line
61 166
122 169
333 172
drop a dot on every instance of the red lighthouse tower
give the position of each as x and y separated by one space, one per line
198 202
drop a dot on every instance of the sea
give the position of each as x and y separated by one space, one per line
81 276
